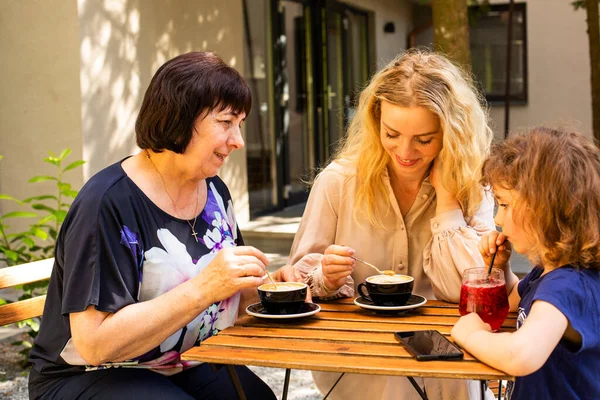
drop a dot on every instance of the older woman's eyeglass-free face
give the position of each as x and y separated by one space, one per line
215 137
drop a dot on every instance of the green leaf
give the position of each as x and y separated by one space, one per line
47 218
39 206
30 243
42 178
60 215
64 153
11 254
70 193
73 165
40 233
38 198
7 197
19 214
52 160
63 186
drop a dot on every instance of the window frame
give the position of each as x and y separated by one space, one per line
515 98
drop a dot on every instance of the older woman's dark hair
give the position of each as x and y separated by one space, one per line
187 87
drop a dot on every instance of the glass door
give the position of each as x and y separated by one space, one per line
346 70
305 63
293 94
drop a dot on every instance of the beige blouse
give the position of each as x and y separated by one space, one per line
435 250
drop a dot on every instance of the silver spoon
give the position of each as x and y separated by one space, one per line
384 272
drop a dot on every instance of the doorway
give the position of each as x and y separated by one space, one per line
307 61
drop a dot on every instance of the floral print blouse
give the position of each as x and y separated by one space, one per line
115 248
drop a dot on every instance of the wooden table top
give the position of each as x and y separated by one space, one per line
343 337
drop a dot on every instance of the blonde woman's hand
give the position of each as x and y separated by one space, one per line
287 273
495 242
233 269
446 201
337 266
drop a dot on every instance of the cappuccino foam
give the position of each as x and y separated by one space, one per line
281 287
389 279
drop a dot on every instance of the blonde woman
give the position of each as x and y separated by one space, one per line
402 194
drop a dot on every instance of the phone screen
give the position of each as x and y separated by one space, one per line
429 345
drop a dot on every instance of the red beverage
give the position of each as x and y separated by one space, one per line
485 296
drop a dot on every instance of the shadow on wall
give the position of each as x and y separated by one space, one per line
122 44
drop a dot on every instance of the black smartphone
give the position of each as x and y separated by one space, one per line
429 345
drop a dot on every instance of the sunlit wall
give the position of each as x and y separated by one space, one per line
40 99
122 44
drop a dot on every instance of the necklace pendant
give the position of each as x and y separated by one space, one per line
195 235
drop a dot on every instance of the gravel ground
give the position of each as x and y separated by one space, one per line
13 378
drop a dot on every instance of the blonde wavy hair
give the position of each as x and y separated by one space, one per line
420 78
555 173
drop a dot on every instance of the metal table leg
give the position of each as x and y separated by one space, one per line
500 390
483 389
235 379
286 384
418 388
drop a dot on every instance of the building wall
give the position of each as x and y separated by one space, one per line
559 70
122 44
40 98
387 45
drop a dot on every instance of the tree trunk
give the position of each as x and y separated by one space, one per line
451 30
594 36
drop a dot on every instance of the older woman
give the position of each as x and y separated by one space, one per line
403 193
149 260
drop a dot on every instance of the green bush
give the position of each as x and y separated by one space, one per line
47 213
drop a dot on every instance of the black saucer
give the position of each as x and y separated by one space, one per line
258 310
413 302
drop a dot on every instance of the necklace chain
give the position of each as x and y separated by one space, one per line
162 180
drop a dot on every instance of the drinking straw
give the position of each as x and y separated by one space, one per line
491 264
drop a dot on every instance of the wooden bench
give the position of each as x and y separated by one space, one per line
20 275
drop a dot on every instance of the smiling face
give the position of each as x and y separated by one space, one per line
512 225
412 137
215 136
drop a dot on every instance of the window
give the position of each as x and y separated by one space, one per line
489 25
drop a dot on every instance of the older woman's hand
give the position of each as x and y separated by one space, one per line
232 270
337 266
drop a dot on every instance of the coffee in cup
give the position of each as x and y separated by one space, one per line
283 297
387 290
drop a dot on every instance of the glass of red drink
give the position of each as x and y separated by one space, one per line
485 295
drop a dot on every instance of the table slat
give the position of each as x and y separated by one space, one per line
391 349
346 363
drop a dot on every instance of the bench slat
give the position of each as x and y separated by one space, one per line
25 273
22 310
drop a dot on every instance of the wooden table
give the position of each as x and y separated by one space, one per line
342 337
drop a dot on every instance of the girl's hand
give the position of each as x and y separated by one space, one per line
465 326
232 270
495 242
337 266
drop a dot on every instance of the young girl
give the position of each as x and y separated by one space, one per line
547 185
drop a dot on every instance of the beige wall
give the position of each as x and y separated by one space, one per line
123 42
40 97
559 70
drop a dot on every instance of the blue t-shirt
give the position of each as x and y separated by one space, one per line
116 248
569 373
